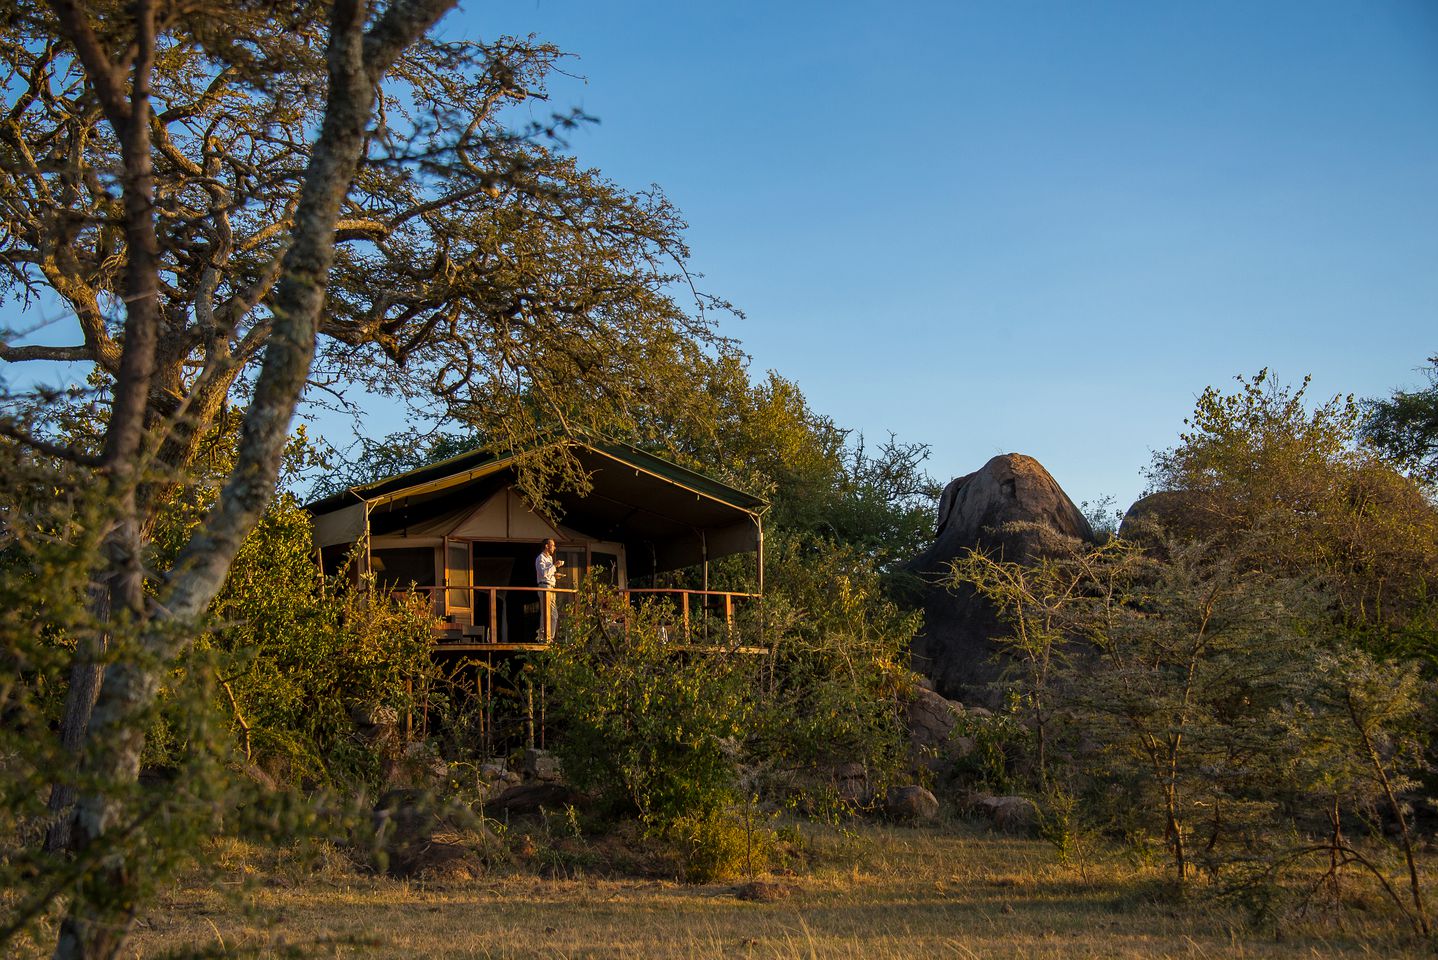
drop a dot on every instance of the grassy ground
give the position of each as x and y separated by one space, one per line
877 892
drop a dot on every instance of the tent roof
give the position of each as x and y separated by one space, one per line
679 515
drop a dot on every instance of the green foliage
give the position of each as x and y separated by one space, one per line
378 226
1360 741
270 687
1034 600
1198 658
1003 756
394 454
294 653
838 676
1259 448
1225 685
647 725
1405 427
302 656
1063 822
824 483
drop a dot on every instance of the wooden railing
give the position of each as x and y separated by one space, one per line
490 617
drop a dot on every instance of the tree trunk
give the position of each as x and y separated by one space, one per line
105 902
129 114
86 672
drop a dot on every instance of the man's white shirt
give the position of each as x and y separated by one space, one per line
544 570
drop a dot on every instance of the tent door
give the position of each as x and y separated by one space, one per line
458 579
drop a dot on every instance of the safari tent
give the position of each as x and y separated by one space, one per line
460 532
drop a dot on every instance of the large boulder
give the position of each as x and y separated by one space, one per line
1014 510
930 718
1184 515
1009 814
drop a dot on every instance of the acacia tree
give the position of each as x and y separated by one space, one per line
234 200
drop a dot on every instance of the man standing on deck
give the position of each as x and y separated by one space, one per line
544 577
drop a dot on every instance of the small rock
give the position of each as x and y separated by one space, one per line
910 804
541 765
528 798
418 766
762 891
1010 814
851 783
931 718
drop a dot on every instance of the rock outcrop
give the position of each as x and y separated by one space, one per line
1013 509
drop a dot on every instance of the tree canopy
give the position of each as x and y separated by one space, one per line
477 272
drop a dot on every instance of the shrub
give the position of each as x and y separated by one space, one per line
291 655
718 845
643 722
838 677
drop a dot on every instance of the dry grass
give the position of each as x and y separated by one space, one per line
954 891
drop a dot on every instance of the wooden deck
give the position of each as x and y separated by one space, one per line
484 625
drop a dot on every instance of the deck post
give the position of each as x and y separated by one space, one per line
489 704
529 712
479 692
763 614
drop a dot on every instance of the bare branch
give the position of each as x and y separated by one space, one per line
37 352
107 78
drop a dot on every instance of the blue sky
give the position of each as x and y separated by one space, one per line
1040 227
